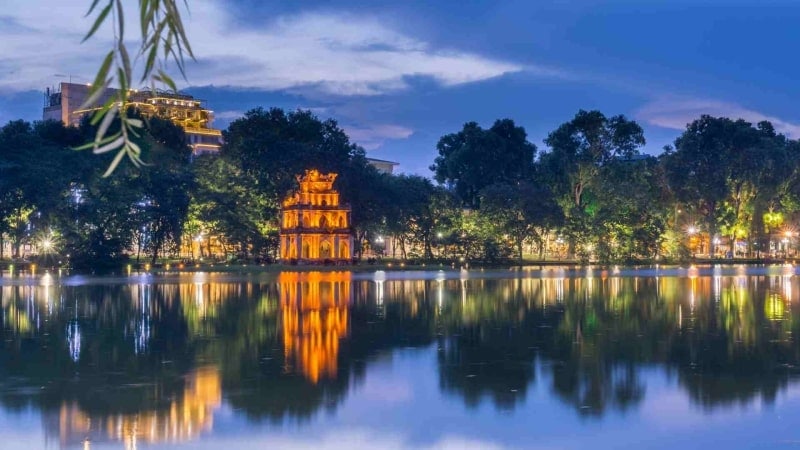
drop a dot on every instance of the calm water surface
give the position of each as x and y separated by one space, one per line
541 359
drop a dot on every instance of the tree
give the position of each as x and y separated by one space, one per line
578 150
408 215
712 170
630 209
33 158
475 158
274 146
165 187
522 211
229 204
367 191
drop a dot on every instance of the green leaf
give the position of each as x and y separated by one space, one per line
100 81
89 145
114 163
91 8
100 112
116 143
166 79
120 21
103 128
143 21
126 61
123 84
98 21
93 97
150 63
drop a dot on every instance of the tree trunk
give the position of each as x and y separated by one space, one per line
757 227
543 243
402 242
712 230
426 240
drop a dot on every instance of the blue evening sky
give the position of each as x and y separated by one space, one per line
399 75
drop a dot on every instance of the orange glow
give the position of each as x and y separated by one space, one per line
314 226
315 317
185 418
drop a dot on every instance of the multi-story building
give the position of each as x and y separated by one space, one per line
67 105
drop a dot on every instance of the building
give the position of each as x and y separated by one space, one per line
382 165
67 105
315 227
63 103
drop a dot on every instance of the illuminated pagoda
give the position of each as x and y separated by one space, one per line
315 227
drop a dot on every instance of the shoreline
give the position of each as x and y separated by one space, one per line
386 265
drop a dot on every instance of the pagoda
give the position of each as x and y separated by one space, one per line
315 228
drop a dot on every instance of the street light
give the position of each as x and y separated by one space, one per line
691 231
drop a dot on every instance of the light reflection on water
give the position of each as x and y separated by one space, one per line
562 357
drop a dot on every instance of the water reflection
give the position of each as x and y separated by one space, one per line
314 310
183 418
153 362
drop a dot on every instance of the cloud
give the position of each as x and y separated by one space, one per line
334 53
229 115
677 113
353 439
373 136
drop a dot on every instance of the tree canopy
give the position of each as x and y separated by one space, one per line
474 158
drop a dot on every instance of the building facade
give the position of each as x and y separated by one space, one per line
67 105
382 165
315 227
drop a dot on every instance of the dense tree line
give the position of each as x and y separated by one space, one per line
724 181
590 193
56 200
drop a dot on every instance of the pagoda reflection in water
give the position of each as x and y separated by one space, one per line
315 316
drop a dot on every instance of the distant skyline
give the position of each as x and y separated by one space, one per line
399 75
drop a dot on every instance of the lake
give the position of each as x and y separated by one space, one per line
533 358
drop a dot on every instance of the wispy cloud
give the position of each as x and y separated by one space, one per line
677 113
336 53
229 115
355 439
373 136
